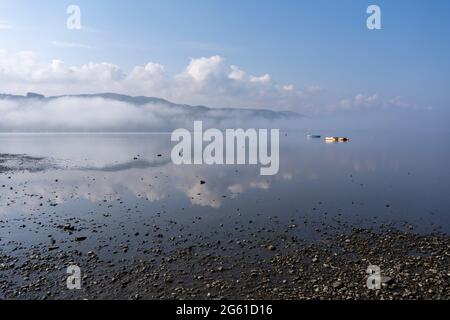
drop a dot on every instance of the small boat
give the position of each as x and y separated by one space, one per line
336 139
313 136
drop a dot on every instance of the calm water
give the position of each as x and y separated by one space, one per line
94 181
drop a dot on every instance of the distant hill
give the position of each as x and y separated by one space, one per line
142 100
111 112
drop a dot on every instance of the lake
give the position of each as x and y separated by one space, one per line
112 193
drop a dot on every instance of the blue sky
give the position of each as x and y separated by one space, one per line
303 43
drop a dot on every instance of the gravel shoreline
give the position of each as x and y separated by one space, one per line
412 267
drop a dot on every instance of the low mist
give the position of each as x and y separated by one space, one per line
96 114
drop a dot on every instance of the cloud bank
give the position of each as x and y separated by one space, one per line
207 81
99 114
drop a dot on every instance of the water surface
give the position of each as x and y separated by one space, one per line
114 188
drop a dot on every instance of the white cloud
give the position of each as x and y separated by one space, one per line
368 102
265 79
204 68
236 73
151 74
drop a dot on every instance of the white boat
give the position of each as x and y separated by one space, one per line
337 139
